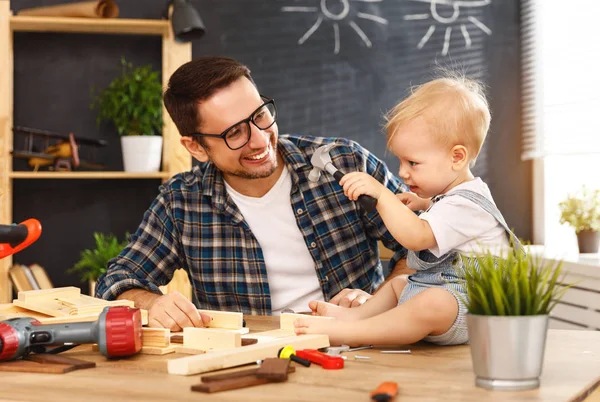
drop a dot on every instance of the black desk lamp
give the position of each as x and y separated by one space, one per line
185 20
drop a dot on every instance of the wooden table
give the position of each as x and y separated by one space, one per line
430 373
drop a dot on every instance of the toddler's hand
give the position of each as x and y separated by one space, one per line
358 183
413 201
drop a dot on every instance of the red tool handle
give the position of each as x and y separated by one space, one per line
32 227
322 359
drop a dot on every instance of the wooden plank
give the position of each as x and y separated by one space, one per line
175 158
87 305
237 374
19 278
235 357
274 369
587 317
33 367
210 339
286 320
45 358
179 283
269 335
156 337
224 319
151 350
583 297
32 296
188 351
89 25
10 310
229 384
557 324
6 138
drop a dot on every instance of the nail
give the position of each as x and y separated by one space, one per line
396 351
359 357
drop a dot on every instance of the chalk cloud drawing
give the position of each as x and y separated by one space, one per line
336 12
448 21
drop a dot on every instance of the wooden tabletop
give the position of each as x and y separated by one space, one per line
430 373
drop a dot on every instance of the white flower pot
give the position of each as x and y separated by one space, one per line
141 153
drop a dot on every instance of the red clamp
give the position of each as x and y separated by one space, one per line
31 230
322 359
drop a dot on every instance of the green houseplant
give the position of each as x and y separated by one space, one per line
133 103
93 262
582 211
509 301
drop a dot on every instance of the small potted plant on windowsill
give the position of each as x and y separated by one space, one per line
509 301
582 212
133 103
93 262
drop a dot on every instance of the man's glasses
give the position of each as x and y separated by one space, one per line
238 135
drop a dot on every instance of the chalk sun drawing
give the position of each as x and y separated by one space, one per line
336 12
448 21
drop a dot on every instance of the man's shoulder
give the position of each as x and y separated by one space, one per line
185 182
308 144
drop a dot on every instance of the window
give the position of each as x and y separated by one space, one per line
561 108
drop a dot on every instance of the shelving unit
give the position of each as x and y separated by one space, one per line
175 158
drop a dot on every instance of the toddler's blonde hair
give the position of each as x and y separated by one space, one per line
454 107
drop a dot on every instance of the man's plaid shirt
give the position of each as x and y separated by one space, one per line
194 224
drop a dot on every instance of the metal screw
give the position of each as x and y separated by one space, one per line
396 351
359 357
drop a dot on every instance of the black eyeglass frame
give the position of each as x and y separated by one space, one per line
250 119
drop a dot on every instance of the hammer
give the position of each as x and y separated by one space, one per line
322 161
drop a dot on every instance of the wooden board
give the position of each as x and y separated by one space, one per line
269 335
156 337
150 350
210 339
224 319
9 310
248 354
286 320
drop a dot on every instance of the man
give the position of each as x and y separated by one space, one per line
252 232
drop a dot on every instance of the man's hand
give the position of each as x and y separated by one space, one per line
175 312
414 202
350 298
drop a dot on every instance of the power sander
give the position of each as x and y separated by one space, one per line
118 333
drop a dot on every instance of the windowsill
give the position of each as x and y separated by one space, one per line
573 262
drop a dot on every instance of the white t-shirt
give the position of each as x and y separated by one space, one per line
291 271
461 225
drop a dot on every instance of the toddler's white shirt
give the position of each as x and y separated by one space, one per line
461 225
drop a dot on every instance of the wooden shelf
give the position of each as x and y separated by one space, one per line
88 175
90 25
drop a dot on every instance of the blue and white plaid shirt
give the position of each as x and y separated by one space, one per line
195 225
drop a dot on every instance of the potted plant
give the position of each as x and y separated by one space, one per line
582 212
93 262
133 103
509 300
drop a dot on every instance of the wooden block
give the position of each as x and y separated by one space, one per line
237 374
177 338
274 369
286 320
45 358
33 367
188 351
210 339
86 305
249 341
156 337
150 350
232 383
224 319
69 292
248 354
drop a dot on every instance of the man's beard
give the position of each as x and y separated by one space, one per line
243 174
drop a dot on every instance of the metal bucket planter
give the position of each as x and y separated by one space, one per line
507 351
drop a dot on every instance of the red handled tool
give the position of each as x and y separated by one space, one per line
386 391
14 238
118 333
322 359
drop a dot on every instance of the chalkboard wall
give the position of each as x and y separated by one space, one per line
329 78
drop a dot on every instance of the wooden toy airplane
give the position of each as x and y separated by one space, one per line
60 152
